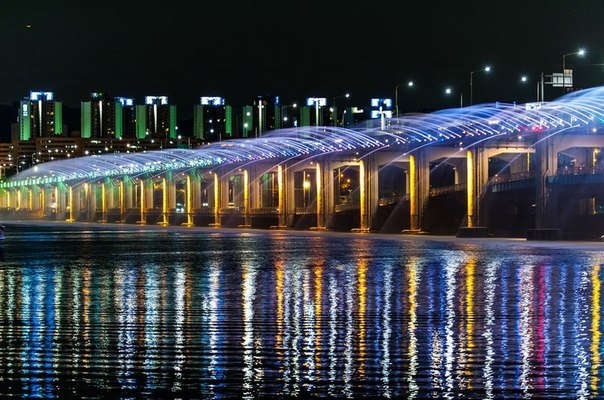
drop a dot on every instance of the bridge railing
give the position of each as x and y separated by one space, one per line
437 191
345 207
581 170
386 201
517 176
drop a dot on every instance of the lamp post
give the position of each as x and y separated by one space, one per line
284 117
580 53
485 69
449 91
335 110
316 102
524 79
408 84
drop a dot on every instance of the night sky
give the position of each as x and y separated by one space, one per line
296 49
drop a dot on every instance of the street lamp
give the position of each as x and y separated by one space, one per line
284 117
580 53
485 69
449 91
408 84
524 79
335 110
316 102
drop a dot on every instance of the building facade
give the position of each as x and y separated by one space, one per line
39 116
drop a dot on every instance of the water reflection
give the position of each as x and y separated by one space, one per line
259 316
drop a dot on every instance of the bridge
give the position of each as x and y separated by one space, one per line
508 169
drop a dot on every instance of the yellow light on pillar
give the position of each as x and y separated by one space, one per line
319 196
216 199
414 222
470 191
362 196
142 200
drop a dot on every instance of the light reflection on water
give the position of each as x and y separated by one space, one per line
210 315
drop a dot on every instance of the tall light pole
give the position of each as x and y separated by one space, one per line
485 69
449 91
409 84
316 102
524 79
284 117
335 110
580 53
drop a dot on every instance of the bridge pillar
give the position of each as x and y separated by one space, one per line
545 217
194 191
247 197
104 188
322 195
35 199
419 185
289 196
145 198
189 196
218 196
170 190
477 173
91 201
282 194
127 188
369 191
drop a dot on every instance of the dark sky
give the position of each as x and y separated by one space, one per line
296 49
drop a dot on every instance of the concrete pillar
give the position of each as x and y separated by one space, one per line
194 191
321 196
419 189
369 191
189 199
471 188
247 198
69 204
546 165
289 197
282 194
170 190
165 199
218 189
128 187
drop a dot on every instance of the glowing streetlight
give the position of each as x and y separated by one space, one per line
408 84
335 110
580 53
284 117
485 69
316 102
524 79
449 91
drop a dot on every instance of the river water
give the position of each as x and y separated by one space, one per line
93 312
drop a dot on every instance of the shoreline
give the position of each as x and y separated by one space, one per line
405 237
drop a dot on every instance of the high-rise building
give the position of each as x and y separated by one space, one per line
212 120
104 117
156 119
127 116
40 116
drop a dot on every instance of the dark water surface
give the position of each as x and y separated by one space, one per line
109 313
